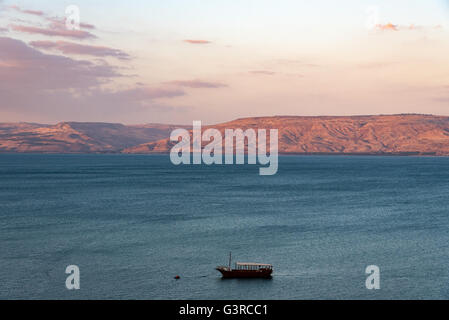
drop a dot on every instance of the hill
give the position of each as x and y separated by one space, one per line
407 134
77 137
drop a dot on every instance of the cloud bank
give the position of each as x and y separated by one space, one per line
197 41
196 84
80 49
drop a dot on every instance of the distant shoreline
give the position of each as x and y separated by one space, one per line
401 154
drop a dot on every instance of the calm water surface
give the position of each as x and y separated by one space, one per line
131 223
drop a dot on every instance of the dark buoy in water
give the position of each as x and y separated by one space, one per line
177 277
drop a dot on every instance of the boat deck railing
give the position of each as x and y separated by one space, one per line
252 266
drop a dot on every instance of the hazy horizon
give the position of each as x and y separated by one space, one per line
230 120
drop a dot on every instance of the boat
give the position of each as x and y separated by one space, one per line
246 270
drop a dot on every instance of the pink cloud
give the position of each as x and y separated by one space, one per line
387 27
40 83
56 23
263 72
87 26
60 23
196 84
56 27
197 41
414 27
60 32
143 94
74 48
32 12
3 29
24 67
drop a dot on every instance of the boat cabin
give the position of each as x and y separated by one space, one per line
250 266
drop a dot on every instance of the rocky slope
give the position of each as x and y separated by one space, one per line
76 137
385 134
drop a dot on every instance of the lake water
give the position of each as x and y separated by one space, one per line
133 222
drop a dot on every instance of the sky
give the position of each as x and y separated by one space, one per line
175 61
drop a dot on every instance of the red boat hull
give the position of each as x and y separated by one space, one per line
228 274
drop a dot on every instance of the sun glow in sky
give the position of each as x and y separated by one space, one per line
175 61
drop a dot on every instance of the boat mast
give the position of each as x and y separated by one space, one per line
230 257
